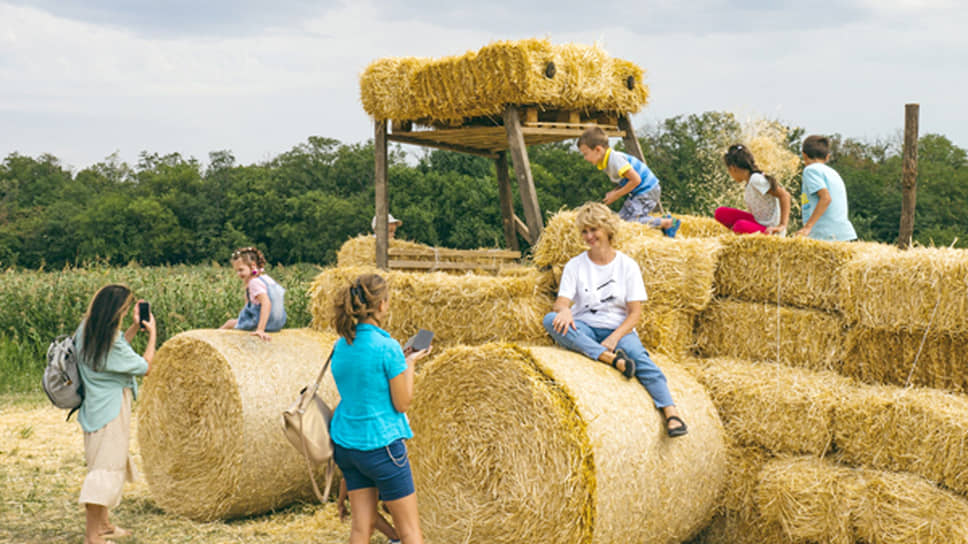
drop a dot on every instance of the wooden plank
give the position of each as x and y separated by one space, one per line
409 138
493 254
522 169
402 126
568 116
507 200
380 191
530 114
441 265
566 129
909 175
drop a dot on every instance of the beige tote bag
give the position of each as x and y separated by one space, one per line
306 424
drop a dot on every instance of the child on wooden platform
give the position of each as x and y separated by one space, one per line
633 177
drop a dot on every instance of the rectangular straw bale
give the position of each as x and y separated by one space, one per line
808 271
386 88
361 250
908 290
811 499
780 408
922 431
885 356
467 309
667 331
899 508
733 528
699 226
748 330
677 273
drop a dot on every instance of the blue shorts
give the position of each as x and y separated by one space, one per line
387 469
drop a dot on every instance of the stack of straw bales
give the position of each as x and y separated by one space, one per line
906 306
465 309
538 444
209 424
480 83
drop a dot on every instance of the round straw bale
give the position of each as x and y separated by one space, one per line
209 425
540 444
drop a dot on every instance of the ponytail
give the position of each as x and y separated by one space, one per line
739 156
358 302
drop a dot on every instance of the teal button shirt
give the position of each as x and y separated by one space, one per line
103 389
365 418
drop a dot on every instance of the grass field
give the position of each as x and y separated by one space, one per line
36 306
42 468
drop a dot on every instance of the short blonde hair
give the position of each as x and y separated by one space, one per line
596 215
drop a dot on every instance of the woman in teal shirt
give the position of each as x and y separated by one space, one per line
375 382
108 365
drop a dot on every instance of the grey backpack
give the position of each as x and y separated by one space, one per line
62 383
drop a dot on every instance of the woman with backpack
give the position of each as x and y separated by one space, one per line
107 366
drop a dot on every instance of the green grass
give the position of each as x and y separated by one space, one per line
39 305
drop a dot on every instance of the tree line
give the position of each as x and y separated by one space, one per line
303 204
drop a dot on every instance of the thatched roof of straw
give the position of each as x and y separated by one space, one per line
748 330
543 445
922 431
931 282
930 358
460 309
808 271
208 421
780 408
480 83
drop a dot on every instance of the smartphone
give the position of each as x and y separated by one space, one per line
419 341
144 312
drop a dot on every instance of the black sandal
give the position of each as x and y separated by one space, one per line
629 363
676 431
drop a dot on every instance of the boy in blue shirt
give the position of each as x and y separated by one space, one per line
633 177
823 197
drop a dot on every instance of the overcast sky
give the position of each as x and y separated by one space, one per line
87 78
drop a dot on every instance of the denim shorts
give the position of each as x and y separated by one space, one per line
387 469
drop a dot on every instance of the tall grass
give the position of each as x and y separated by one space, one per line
36 306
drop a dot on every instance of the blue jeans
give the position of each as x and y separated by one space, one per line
586 340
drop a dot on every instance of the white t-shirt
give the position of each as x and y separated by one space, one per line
764 206
600 293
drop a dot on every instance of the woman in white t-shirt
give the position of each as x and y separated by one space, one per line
599 302
769 203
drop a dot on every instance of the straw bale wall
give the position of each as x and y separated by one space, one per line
909 290
922 431
482 82
540 444
808 271
749 330
887 356
780 408
667 331
460 309
209 426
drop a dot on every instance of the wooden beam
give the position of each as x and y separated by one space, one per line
522 169
402 126
507 200
440 252
522 228
909 176
409 138
632 146
530 114
380 190
442 265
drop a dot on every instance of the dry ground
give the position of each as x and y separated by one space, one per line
42 467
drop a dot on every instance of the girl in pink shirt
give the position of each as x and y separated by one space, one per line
264 310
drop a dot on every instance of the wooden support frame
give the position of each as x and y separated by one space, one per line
522 169
507 200
380 190
909 176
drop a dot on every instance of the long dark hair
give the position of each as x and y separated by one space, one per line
357 302
102 322
741 157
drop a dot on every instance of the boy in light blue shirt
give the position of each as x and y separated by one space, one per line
823 197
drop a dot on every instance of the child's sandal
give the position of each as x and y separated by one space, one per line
629 363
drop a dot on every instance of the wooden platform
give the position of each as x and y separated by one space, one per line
431 259
487 141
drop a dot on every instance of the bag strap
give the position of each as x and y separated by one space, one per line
330 465
310 391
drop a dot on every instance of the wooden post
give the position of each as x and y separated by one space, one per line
909 176
522 169
632 146
380 190
507 200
